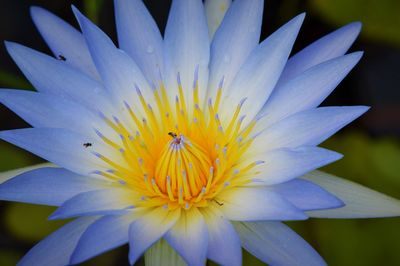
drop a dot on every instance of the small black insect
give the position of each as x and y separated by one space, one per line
87 145
172 134
176 139
219 203
62 58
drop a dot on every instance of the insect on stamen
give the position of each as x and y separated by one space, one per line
177 140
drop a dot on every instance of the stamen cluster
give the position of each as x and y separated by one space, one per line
178 157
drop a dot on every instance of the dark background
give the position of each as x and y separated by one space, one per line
371 145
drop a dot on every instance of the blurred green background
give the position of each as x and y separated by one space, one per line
371 145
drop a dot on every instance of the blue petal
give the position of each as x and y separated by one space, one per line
119 72
310 127
139 36
149 228
260 72
52 76
189 237
60 146
276 244
56 249
285 164
48 110
107 233
97 202
328 47
235 39
223 242
306 195
48 186
255 204
360 201
308 89
7 175
187 47
64 40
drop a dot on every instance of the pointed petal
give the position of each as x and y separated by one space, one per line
97 202
149 228
62 147
309 128
187 47
223 242
235 39
360 201
119 72
57 248
254 204
107 233
52 76
48 186
215 12
276 244
161 253
189 237
261 70
139 36
306 195
7 175
285 164
330 46
48 110
64 40
308 89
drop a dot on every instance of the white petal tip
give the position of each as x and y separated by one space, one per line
11 46
35 10
300 17
359 110
295 23
357 55
79 16
354 26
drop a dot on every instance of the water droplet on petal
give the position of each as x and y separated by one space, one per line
150 49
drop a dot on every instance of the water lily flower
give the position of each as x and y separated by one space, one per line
188 146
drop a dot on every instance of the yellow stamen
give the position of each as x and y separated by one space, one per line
180 154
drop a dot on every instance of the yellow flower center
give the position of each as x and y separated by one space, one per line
181 156
182 170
